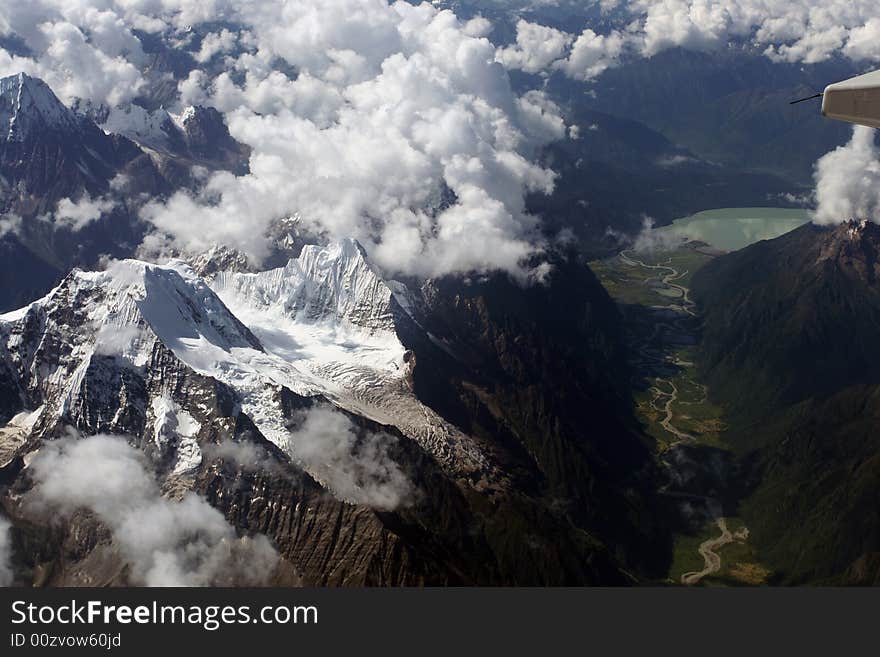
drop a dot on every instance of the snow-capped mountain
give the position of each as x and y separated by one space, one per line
330 315
152 129
50 152
324 285
322 327
487 408
48 148
198 134
152 352
328 312
28 106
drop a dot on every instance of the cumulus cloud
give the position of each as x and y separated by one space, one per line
651 238
89 49
401 130
790 30
6 574
80 50
536 47
785 30
167 543
848 181
541 49
78 214
216 43
354 465
389 122
592 54
9 223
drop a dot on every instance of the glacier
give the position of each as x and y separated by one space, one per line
322 327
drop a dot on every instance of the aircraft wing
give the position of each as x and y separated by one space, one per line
856 100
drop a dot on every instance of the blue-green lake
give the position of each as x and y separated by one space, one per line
729 229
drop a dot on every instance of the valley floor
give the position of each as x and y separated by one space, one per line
711 542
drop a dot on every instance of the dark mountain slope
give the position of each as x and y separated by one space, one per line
47 152
815 512
729 106
618 171
539 373
792 318
790 347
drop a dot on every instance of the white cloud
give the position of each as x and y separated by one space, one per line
848 181
536 47
168 543
216 43
592 54
81 51
356 468
651 238
791 30
244 454
541 49
9 223
805 31
113 340
400 127
395 107
78 214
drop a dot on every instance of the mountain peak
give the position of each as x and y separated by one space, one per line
333 283
854 247
27 104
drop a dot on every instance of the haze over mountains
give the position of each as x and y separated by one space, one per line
309 279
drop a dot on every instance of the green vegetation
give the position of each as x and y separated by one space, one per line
672 402
651 290
640 286
739 562
802 391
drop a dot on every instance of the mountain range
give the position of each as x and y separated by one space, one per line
455 430
71 191
378 432
155 353
789 345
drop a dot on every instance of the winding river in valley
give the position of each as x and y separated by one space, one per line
677 319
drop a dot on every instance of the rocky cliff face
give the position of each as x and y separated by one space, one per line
502 488
539 374
53 158
47 152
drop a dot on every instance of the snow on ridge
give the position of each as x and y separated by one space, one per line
330 314
131 306
174 426
322 326
151 129
334 284
28 105
327 310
